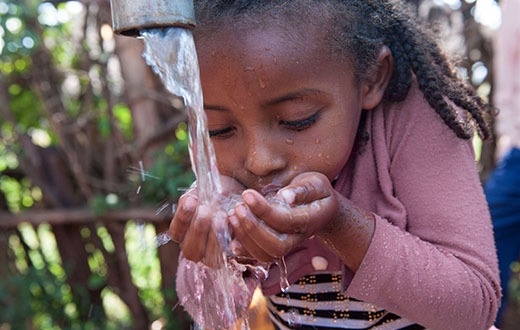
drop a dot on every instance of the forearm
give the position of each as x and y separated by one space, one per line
426 282
417 279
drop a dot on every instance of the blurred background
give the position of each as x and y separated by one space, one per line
93 156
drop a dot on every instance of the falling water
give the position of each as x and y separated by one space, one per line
171 53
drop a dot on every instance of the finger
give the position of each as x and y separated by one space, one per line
302 219
278 216
213 252
246 242
218 240
194 244
261 241
305 188
182 218
261 207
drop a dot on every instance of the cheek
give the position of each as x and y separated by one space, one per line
332 151
227 161
331 158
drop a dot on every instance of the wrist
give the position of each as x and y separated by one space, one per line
349 233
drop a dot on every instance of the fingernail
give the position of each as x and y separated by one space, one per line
189 204
233 220
241 210
248 198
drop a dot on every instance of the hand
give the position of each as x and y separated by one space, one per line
267 230
193 224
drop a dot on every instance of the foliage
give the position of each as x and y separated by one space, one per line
38 295
69 143
168 175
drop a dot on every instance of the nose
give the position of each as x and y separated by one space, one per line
264 155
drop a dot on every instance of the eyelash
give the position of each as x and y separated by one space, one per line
221 132
297 125
300 125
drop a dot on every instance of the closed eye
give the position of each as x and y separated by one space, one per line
222 133
299 125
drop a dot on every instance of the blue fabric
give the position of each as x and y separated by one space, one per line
503 195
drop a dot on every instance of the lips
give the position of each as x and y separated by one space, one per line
267 186
270 189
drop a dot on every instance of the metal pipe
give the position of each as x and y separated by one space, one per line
131 16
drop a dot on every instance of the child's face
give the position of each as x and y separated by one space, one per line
277 108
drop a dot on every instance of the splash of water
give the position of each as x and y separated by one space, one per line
171 53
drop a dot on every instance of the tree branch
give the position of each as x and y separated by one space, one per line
81 216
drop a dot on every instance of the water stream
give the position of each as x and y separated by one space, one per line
171 53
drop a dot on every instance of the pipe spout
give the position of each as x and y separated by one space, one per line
129 17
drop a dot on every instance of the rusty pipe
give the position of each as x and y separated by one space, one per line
129 17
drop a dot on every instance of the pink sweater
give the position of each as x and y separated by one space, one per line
432 258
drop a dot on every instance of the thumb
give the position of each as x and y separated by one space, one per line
305 188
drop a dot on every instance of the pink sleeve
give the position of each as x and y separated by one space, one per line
437 264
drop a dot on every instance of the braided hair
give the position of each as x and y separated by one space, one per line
357 29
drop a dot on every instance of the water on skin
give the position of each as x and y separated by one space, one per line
171 53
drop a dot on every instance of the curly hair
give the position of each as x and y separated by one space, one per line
357 29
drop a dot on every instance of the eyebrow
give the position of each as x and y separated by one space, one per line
292 96
214 107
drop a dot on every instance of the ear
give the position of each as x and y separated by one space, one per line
373 89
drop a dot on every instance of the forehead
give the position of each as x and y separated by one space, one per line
267 46
254 38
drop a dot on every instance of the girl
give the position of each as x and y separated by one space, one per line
347 134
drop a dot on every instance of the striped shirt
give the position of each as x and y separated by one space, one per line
316 301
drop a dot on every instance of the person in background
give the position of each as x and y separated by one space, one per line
346 134
502 188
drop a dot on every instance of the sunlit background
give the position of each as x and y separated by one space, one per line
487 12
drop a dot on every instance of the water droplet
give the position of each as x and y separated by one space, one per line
162 208
141 169
284 281
293 317
289 141
162 239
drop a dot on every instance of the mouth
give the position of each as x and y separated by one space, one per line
269 190
267 186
